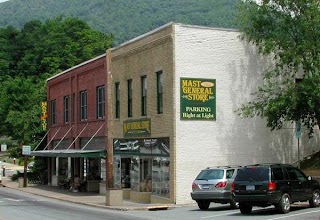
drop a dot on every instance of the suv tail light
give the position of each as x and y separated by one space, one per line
232 187
194 186
272 186
221 184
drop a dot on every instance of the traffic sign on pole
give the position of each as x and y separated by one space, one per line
26 150
298 129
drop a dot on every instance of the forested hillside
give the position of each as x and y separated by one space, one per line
30 56
123 18
40 38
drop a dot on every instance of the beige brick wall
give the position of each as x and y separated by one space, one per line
145 57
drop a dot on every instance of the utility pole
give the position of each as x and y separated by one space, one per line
25 170
298 136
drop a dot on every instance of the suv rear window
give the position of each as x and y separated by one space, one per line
253 174
210 174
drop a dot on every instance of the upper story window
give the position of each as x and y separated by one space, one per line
130 98
159 92
73 100
144 95
66 106
117 97
83 105
53 112
101 102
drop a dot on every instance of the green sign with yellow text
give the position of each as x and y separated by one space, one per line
197 99
136 128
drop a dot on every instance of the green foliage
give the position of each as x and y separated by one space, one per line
31 55
15 176
289 31
124 18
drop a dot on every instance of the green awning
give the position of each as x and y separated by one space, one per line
69 153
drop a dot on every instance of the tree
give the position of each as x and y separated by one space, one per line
30 56
288 31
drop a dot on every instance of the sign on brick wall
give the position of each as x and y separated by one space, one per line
197 99
137 128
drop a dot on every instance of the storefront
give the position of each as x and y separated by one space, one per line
142 166
88 165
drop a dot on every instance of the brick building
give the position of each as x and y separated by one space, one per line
172 98
76 117
170 101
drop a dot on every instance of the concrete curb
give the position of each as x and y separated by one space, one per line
119 208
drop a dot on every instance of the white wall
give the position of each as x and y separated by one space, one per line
221 55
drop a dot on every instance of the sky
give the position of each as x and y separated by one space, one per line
3 0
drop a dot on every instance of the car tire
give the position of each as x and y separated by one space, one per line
284 204
315 199
234 204
203 205
245 209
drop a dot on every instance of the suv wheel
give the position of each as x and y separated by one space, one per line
284 204
245 209
234 204
315 199
203 205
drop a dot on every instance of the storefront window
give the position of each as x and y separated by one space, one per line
117 172
145 175
160 176
93 169
135 173
142 165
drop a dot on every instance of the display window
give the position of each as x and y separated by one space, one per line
143 165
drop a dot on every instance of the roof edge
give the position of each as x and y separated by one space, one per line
143 36
77 66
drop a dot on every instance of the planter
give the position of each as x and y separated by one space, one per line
114 197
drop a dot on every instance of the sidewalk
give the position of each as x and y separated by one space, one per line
85 198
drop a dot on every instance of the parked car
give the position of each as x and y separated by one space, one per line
213 184
280 185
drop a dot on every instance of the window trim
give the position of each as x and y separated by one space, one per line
53 112
144 95
66 108
100 111
159 92
117 99
83 106
130 98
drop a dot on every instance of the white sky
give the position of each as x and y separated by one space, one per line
3 0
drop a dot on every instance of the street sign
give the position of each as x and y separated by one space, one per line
3 147
298 129
26 150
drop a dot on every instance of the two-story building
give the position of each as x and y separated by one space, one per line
162 106
76 116
172 100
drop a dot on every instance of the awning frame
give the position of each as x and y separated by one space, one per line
73 153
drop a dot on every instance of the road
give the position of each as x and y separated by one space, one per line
223 212
17 205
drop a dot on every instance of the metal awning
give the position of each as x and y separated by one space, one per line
69 153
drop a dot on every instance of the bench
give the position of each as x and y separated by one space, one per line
65 183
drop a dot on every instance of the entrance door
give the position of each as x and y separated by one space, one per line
125 172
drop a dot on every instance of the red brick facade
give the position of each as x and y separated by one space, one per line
84 77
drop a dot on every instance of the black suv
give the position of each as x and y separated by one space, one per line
273 184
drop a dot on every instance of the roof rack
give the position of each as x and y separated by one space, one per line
230 166
269 164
